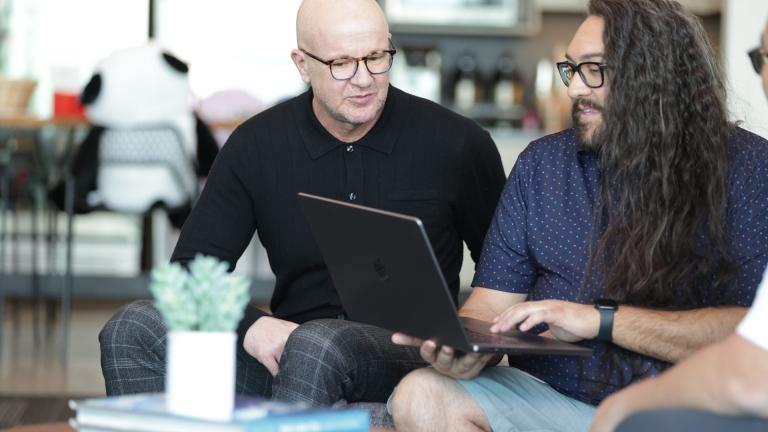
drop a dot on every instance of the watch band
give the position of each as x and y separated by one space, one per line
607 309
606 324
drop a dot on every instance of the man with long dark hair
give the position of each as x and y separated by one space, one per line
723 387
640 233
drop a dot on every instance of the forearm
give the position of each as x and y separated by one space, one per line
486 304
728 378
250 315
673 335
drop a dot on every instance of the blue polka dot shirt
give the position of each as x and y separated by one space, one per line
538 244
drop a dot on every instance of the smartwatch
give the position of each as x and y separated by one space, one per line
607 308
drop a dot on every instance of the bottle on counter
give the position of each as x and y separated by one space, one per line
507 85
467 82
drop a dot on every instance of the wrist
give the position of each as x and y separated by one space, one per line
607 309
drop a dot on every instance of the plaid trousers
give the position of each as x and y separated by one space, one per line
325 362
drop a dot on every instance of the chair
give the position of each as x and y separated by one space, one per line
142 172
139 168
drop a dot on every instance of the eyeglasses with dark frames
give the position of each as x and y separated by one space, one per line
758 58
592 73
345 68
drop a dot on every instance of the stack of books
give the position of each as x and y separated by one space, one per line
148 413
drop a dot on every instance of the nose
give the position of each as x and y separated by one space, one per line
578 88
361 78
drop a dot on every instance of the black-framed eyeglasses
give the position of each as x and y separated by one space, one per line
345 68
591 73
758 58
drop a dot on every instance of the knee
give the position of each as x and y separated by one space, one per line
322 337
416 399
135 324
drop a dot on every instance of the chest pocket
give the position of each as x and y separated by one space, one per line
427 205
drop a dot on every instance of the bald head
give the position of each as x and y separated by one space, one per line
324 22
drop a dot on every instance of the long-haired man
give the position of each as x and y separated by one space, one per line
723 387
641 233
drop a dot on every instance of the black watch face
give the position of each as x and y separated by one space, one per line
606 304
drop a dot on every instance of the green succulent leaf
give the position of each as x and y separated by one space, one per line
205 298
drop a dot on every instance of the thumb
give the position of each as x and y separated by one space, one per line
403 339
271 364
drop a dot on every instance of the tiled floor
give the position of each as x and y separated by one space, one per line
28 367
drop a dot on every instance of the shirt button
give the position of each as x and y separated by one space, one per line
352 196
350 148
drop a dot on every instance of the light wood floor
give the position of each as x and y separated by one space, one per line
28 367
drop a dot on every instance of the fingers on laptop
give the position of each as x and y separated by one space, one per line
454 363
404 339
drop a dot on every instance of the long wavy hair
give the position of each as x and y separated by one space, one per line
663 152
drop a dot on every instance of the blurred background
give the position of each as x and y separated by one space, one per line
491 60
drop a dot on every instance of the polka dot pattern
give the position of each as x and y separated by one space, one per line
539 240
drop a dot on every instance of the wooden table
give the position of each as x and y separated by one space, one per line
27 121
47 427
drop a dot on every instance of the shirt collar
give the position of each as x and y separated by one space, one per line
382 137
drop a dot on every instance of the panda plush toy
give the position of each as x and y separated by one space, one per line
133 89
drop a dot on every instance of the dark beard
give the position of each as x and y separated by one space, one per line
592 143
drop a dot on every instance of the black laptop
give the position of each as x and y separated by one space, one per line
386 274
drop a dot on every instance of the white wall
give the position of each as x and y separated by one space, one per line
241 44
234 44
742 25
58 42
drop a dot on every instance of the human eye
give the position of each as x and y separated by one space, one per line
593 67
342 62
377 56
568 69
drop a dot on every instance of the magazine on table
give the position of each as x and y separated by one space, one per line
147 412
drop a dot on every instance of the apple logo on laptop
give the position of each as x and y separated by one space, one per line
380 269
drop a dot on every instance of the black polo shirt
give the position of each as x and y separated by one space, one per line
419 159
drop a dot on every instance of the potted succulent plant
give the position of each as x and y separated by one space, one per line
201 307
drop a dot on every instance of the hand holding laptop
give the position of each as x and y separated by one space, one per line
446 360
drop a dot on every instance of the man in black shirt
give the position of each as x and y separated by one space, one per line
351 137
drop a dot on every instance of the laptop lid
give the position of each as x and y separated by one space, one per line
387 275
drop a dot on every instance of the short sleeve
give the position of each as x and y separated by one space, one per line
505 264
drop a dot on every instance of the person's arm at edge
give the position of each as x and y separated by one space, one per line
730 377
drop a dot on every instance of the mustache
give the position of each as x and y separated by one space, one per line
582 104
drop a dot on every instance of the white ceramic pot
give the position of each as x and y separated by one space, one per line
200 374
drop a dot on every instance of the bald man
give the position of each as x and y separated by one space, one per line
353 137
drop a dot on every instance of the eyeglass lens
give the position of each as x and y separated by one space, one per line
377 63
590 72
758 59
